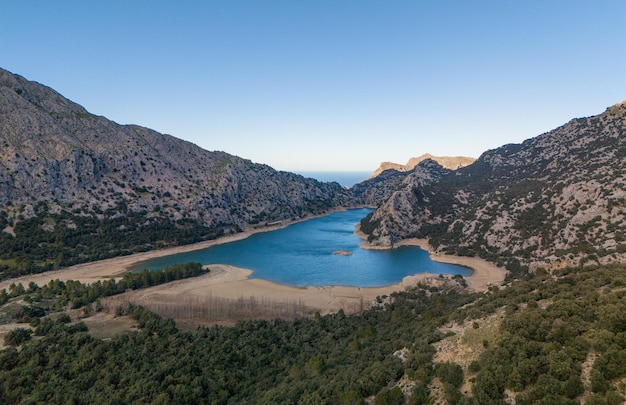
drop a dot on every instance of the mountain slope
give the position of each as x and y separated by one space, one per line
61 167
554 200
378 189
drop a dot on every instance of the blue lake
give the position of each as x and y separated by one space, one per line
302 254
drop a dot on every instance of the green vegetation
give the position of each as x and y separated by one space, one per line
367 225
562 338
80 238
58 294
557 198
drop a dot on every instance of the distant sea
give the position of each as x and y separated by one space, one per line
347 179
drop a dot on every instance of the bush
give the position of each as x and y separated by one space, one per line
450 373
17 336
393 396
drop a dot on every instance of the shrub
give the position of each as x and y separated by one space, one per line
17 336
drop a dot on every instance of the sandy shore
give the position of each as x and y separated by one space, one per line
117 266
484 273
230 282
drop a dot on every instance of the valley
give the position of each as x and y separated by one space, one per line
84 199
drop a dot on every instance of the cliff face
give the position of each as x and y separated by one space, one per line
554 200
376 190
389 177
449 162
57 158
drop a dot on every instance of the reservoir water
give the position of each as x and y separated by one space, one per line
304 254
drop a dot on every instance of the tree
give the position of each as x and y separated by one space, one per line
17 336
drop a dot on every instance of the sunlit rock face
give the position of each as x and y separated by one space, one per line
56 156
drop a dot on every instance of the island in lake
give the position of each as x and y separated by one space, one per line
342 252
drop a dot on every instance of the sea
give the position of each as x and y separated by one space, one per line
346 179
321 251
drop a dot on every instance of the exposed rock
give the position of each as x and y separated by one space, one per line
449 162
376 190
557 198
59 160
342 252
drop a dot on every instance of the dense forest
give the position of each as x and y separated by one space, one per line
32 248
561 339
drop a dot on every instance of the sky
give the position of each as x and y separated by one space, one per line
321 85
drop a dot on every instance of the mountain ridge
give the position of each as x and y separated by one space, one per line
535 204
448 162
61 166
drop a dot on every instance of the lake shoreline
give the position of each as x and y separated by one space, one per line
232 282
484 273
115 267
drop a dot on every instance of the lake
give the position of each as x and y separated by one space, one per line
304 254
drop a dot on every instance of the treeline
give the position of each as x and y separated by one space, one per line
562 340
216 309
76 238
332 359
57 294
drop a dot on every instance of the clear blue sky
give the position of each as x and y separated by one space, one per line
326 85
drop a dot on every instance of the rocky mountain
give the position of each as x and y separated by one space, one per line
375 190
449 162
389 176
555 200
73 184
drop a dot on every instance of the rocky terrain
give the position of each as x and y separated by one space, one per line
376 190
389 176
65 170
555 200
449 162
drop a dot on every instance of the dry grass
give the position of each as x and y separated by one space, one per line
105 325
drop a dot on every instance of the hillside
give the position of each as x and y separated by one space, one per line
376 190
545 339
75 186
555 200
389 176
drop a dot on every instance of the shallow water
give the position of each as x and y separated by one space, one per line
302 254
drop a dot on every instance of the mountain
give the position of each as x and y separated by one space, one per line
389 176
375 190
75 186
449 162
555 200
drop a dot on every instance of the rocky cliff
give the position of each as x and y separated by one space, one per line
390 176
61 167
557 199
376 190
449 162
